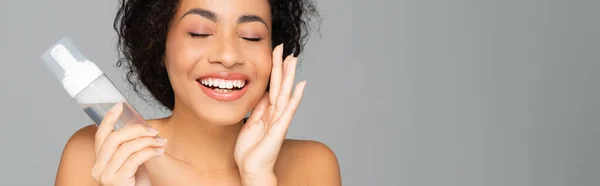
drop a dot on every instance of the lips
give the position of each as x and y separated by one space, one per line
224 86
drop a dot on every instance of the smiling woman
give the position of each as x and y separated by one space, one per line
210 62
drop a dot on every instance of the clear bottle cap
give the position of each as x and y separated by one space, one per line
70 66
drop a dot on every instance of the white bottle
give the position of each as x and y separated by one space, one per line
87 84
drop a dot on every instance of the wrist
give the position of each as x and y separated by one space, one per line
259 179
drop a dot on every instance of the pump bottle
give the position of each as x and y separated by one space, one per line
87 84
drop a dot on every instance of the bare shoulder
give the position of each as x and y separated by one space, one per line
77 159
304 162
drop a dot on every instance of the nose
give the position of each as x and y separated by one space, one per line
225 52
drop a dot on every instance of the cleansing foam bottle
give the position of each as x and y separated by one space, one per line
87 84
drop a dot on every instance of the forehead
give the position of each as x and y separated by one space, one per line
228 9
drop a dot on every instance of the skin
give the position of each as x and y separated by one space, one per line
201 146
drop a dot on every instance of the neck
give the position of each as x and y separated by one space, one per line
203 145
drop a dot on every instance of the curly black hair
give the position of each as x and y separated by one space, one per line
142 27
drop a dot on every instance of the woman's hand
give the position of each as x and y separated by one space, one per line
119 154
260 139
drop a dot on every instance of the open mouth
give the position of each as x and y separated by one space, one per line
222 85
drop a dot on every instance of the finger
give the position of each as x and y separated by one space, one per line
107 125
130 167
259 109
276 73
286 61
286 86
115 139
129 148
279 129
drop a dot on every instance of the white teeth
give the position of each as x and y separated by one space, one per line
223 84
223 90
239 83
229 84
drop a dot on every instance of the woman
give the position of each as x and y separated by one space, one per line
210 62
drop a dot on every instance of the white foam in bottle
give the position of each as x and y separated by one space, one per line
87 84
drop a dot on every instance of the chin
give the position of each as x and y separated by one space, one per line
220 115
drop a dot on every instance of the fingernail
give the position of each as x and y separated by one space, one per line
160 150
161 141
152 130
117 107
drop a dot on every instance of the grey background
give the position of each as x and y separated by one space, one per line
414 92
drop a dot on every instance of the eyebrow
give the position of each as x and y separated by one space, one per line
251 18
202 12
213 16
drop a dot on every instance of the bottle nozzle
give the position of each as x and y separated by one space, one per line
69 66
63 57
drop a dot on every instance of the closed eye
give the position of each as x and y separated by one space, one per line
252 39
198 35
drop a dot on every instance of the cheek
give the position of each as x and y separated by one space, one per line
180 61
181 57
262 62
264 70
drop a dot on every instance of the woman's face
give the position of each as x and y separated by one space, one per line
218 57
